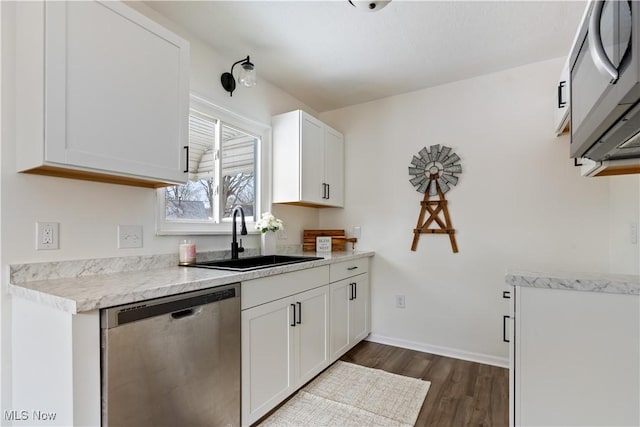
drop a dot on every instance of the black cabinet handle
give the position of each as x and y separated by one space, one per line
561 103
328 191
186 163
352 268
504 328
293 321
506 294
355 291
299 312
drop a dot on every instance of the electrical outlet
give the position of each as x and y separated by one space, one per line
400 301
47 235
129 236
357 232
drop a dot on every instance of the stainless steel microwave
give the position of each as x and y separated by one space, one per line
605 82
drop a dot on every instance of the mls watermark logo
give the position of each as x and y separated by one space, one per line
23 415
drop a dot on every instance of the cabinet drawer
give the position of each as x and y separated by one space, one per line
342 270
266 289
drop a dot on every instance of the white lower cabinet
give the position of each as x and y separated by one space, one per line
267 358
285 343
311 334
294 325
349 313
575 358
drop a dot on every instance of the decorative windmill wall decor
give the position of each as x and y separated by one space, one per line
434 172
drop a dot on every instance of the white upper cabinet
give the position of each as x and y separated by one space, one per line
334 166
308 161
104 94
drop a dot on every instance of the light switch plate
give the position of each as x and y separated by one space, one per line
129 236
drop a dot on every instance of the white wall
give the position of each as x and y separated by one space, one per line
520 203
90 212
624 256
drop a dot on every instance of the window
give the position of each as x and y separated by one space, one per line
224 172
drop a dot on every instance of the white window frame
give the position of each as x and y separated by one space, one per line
263 183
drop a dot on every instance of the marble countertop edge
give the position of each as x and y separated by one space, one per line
586 282
80 294
55 301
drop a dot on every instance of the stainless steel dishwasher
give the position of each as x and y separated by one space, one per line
173 361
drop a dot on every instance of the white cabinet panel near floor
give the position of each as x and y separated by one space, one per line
576 358
106 93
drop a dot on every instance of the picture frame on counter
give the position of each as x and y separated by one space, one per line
323 244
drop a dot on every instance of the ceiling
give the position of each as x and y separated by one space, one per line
329 54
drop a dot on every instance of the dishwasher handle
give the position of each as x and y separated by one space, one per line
178 306
186 313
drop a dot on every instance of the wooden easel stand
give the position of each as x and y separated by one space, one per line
434 208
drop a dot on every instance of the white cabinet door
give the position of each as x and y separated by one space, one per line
312 170
340 302
312 333
359 310
116 93
267 357
576 358
349 313
285 343
334 167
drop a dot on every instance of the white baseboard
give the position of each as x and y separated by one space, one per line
441 351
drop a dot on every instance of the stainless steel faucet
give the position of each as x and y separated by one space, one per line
235 248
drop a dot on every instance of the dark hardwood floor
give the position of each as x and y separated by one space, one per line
461 393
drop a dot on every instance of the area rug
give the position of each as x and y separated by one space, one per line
353 395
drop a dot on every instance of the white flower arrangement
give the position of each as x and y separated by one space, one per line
268 222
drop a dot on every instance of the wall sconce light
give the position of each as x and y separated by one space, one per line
246 77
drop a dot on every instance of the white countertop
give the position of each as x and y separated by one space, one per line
588 282
91 292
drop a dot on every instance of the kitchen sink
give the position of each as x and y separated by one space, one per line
253 263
